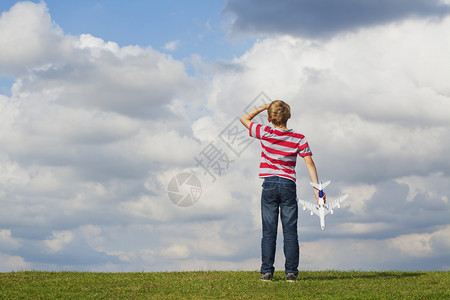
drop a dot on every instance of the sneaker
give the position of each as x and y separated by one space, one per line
266 277
291 277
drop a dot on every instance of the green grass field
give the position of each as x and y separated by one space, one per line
224 285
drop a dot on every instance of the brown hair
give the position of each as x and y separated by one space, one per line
279 112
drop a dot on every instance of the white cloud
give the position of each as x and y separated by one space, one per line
425 244
433 185
176 251
172 46
152 208
380 255
59 240
93 235
7 241
367 88
360 195
97 46
13 262
93 133
371 116
362 228
29 38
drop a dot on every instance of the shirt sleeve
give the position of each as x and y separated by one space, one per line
255 130
303 148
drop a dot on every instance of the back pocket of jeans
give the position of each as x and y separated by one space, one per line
268 187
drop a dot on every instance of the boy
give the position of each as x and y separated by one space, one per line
280 147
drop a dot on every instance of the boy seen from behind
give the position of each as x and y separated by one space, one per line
280 147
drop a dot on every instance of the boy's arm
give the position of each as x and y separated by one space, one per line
247 118
312 171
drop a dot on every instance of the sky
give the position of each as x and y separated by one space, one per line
121 149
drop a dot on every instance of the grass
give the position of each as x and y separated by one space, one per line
224 285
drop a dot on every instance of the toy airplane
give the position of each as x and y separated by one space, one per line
322 209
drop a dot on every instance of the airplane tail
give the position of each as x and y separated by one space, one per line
320 186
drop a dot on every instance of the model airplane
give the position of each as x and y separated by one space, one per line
322 209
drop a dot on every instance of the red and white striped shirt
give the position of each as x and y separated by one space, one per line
279 150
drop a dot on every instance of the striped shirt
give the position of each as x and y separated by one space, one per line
279 150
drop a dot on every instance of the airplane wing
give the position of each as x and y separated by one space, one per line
337 202
312 207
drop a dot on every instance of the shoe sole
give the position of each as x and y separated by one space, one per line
291 279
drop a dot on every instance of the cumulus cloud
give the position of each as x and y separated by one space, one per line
376 125
92 134
59 240
171 46
372 104
79 132
323 19
7 241
29 38
15 263
375 254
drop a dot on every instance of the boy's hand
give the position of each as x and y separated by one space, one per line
316 194
246 119
264 106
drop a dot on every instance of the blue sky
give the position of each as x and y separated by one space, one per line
104 104
197 25
194 27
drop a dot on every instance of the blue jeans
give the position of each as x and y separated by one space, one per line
279 195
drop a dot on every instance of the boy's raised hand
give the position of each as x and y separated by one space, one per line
246 119
265 106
